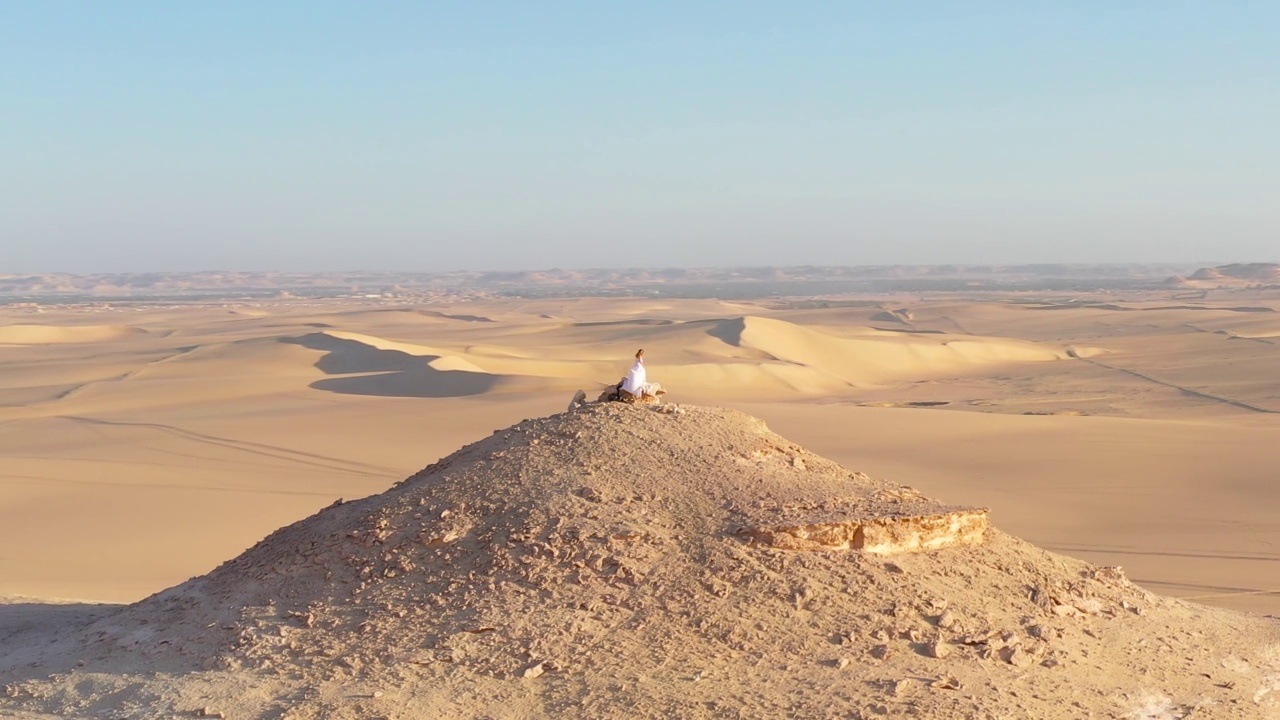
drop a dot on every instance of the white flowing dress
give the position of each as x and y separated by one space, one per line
637 383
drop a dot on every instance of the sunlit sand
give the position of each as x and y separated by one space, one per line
144 446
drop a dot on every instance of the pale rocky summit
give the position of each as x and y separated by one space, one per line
622 561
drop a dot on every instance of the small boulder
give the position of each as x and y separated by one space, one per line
938 649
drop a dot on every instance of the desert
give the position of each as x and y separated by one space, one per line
1111 453
525 361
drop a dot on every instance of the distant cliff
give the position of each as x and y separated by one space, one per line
1233 275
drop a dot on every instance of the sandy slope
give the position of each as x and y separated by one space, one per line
30 334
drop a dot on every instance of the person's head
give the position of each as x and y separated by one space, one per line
640 354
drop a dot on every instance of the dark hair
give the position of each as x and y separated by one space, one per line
639 352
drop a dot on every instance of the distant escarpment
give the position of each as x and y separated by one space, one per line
1233 275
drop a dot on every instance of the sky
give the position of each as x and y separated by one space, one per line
440 136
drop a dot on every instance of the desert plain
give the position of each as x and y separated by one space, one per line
143 444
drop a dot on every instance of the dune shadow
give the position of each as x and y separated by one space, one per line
463 318
729 331
424 382
910 331
345 357
387 373
642 322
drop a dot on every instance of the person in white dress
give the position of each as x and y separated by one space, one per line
637 382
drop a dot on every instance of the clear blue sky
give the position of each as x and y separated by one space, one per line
429 136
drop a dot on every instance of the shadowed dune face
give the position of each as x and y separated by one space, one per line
387 372
729 331
459 317
424 382
640 322
346 357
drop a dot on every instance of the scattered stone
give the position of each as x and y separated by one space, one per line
533 671
1018 657
938 649
1042 632
1110 575
947 620
947 683
1090 606
880 652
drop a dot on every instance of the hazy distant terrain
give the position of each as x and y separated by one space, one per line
672 282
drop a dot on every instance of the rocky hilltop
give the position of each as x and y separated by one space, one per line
1234 275
629 561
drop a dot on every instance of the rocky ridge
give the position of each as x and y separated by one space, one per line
628 557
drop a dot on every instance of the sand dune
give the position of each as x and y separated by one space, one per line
63 334
876 357
344 384
755 354
758 380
